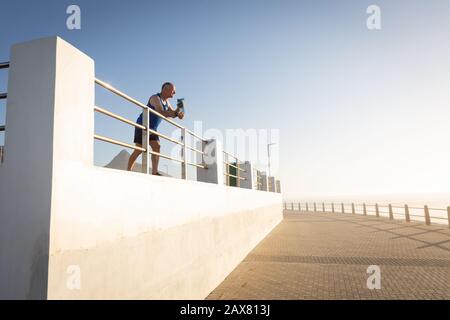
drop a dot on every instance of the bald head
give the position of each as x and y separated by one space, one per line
167 90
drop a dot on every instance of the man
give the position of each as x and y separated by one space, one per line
160 103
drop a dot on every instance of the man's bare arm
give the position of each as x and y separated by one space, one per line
156 102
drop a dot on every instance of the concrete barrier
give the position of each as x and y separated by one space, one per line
69 230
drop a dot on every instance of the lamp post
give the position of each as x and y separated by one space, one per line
268 154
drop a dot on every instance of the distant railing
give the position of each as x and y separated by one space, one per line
3 95
147 131
227 172
366 209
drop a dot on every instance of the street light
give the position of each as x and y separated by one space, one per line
268 153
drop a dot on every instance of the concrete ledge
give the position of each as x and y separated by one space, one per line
180 244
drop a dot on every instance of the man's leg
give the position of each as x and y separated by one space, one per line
133 158
156 147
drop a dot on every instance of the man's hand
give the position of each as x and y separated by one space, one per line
181 114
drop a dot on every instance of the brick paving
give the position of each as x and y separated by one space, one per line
326 256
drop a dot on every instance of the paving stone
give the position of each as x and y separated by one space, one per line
325 256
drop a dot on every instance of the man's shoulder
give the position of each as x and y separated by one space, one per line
154 98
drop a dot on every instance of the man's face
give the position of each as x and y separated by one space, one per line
169 91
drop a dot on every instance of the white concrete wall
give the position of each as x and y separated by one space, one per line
34 121
131 235
213 159
179 244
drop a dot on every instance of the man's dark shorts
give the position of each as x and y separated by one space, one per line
138 136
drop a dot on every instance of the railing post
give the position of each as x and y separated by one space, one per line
183 154
145 142
364 209
332 207
292 206
323 207
342 208
377 210
407 217
307 209
238 182
315 208
448 216
427 215
299 208
391 213
353 208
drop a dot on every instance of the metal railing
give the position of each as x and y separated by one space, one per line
3 96
371 209
147 131
228 165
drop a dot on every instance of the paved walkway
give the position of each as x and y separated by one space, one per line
326 256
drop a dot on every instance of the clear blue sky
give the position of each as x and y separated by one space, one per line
358 111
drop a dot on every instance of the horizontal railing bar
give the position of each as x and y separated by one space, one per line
196 165
194 135
3 95
229 154
115 116
165 137
164 156
440 218
120 143
193 149
417 208
4 65
417 215
232 165
132 100
233 176
438 209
